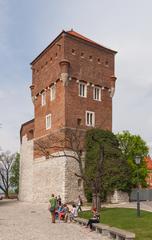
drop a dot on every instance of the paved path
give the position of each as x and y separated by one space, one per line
24 221
144 205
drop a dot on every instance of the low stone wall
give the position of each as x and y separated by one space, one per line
118 197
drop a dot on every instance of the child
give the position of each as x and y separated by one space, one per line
73 213
80 203
60 212
66 212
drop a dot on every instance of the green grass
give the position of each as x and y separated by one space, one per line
126 219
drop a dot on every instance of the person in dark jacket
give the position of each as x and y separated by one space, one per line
94 219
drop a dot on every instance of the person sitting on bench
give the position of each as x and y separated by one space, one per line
94 219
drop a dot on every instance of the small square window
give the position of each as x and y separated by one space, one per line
79 182
97 93
90 119
82 55
79 121
48 121
52 92
90 58
73 51
99 61
106 63
43 99
59 46
82 89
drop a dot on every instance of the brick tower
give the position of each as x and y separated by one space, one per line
73 83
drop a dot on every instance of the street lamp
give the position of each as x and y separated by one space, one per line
137 161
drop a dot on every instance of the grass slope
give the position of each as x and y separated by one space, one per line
126 219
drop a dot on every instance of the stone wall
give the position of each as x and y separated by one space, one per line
118 197
41 177
48 178
26 170
73 184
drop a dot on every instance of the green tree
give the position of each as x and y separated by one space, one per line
14 179
6 161
131 146
104 165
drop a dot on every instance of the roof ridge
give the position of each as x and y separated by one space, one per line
78 35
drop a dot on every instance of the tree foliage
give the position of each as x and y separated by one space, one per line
131 146
6 161
114 171
14 179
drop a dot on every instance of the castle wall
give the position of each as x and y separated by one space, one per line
26 170
48 178
73 184
41 177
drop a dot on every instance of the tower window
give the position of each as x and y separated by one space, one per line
99 61
82 89
106 63
79 121
90 58
59 46
90 119
79 182
73 51
82 55
52 92
97 93
48 121
43 98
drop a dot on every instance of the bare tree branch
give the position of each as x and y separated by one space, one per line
6 161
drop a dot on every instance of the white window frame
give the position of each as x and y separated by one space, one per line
95 94
90 119
52 92
82 89
48 124
43 98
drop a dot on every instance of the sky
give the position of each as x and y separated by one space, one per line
27 27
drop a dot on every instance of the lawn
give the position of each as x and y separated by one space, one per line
125 218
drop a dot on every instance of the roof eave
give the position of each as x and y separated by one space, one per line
92 43
52 43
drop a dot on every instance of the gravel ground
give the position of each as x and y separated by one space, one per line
26 221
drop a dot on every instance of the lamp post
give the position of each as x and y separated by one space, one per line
137 161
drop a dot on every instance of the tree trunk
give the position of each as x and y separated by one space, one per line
6 194
94 200
98 202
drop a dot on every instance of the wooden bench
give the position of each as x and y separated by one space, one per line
105 230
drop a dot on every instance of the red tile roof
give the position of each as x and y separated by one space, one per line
148 161
78 35
74 34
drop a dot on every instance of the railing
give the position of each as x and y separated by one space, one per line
144 195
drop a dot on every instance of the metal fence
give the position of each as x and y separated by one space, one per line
144 195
